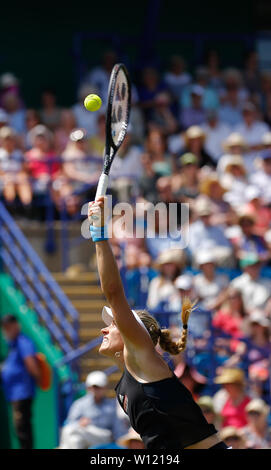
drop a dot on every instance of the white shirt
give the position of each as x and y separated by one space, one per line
255 293
206 290
10 163
214 138
206 237
253 136
262 180
163 291
128 166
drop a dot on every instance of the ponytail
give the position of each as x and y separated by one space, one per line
165 340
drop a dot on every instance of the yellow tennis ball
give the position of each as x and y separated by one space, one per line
92 102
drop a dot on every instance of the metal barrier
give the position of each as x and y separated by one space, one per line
38 285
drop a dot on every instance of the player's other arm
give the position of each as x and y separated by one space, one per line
112 288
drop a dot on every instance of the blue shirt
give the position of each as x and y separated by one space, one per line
18 384
103 414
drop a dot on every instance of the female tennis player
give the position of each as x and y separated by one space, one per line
160 408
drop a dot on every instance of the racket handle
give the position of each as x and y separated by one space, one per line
102 186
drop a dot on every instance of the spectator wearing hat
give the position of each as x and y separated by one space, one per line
252 130
161 116
248 241
78 175
32 119
256 291
233 438
209 286
194 138
185 184
233 412
205 236
185 287
262 177
176 78
216 132
40 159
209 93
163 295
234 144
211 187
62 134
131 440
234 180
195 114
207 407
13 179
92 420
16 113
257 432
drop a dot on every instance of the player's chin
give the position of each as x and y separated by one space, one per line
105 349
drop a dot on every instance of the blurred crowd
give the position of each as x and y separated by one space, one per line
201 138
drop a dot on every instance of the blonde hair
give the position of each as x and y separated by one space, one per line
163 337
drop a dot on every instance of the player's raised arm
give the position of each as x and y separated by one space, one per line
111 283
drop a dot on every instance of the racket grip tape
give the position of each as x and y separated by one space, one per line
102 186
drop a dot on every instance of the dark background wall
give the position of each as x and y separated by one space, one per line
43 46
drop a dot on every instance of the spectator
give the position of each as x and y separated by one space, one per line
214 72
32 119
256 207
78 172
151 86
205 236
177 78
3 118
13 178
211 188
194 115
257 432
92 419
248 241
255 289
15 111
231 315
161 116
262 178
252 130
209 94
251 74
163 294
233 145
194 143
233 438
185 286
235 181
97 141
233 411
40 163
99 76
216 132
62 134
207 407
232 98
20 374
50 113
131 440
209 286
185 185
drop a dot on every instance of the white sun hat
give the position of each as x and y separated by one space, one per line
107 316
97 378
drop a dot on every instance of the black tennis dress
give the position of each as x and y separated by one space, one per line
163 412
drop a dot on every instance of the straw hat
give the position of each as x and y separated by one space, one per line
266 138
173 255
230 376
194 132
235 160
233 140
206 184
230 431
6 132
258 405
203 206
131 435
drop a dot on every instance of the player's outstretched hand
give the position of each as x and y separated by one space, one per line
97 211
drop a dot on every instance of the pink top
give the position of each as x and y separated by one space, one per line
38 164
234 415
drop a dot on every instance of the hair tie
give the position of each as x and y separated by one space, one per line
185 327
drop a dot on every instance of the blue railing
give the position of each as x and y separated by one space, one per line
37 284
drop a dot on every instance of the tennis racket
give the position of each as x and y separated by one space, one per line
117 119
